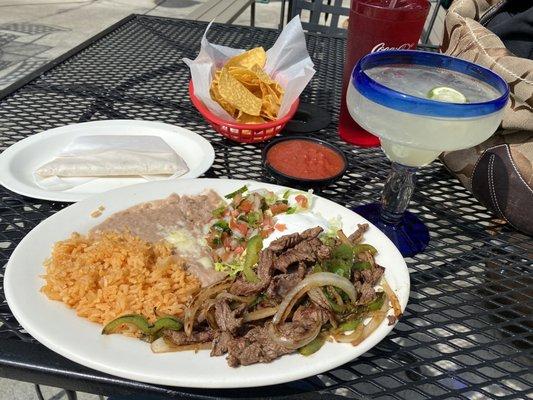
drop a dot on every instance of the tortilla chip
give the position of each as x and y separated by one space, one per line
245 90
235 93
247 59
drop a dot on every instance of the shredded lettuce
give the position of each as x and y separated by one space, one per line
334 225
253 218
232 269
270 198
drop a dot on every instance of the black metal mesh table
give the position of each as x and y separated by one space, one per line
466 332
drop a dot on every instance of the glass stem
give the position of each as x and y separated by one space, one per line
397 193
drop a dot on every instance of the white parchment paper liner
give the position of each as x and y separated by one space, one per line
288 63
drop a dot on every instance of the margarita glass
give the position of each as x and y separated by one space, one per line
420 104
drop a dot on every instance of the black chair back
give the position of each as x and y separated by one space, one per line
329 10
325 17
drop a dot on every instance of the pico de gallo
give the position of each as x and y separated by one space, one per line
239 225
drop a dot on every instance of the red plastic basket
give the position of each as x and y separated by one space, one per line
243 133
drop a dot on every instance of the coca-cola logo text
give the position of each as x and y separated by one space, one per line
381 47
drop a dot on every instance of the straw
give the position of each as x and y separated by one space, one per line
392 4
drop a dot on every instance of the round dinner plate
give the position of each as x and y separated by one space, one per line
19 161
58 327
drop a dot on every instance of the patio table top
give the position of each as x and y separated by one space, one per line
466 332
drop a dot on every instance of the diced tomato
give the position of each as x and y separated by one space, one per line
239 226
267 221
266 232
239 250
279 208
301 200
280 227
245 206
225 256
226 240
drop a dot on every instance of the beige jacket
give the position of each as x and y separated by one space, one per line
499 172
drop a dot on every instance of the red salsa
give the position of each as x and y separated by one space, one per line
305 159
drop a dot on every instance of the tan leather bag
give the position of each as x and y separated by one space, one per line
499 172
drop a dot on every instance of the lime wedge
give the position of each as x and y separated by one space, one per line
446 94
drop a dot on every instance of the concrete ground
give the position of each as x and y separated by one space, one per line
33 32
15 390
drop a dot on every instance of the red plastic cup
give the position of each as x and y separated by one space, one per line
376 25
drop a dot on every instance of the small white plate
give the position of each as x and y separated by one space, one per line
18 162
58 327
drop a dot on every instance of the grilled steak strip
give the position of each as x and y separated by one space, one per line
309 250
311 314
220 344
358 234
265 269
180 338
282 284
364 282
366 292
228 320
258 347
371 276
289 241
285 242
311 233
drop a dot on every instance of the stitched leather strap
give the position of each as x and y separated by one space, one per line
498 184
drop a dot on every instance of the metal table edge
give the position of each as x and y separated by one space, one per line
43 366
60 372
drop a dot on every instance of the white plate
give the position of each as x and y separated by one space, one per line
18 162
58 327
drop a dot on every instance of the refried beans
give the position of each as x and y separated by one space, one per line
159 219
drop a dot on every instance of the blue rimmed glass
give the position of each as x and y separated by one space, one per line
414 131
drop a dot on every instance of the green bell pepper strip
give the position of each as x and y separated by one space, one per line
341 261
349 325
361 265
132 319
142 324
317 268
334 306
235 193
253 248
291 210
259 298
343 268
359 248
313 346
342 271
250 275
171 323
377 303
219 211
343 252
